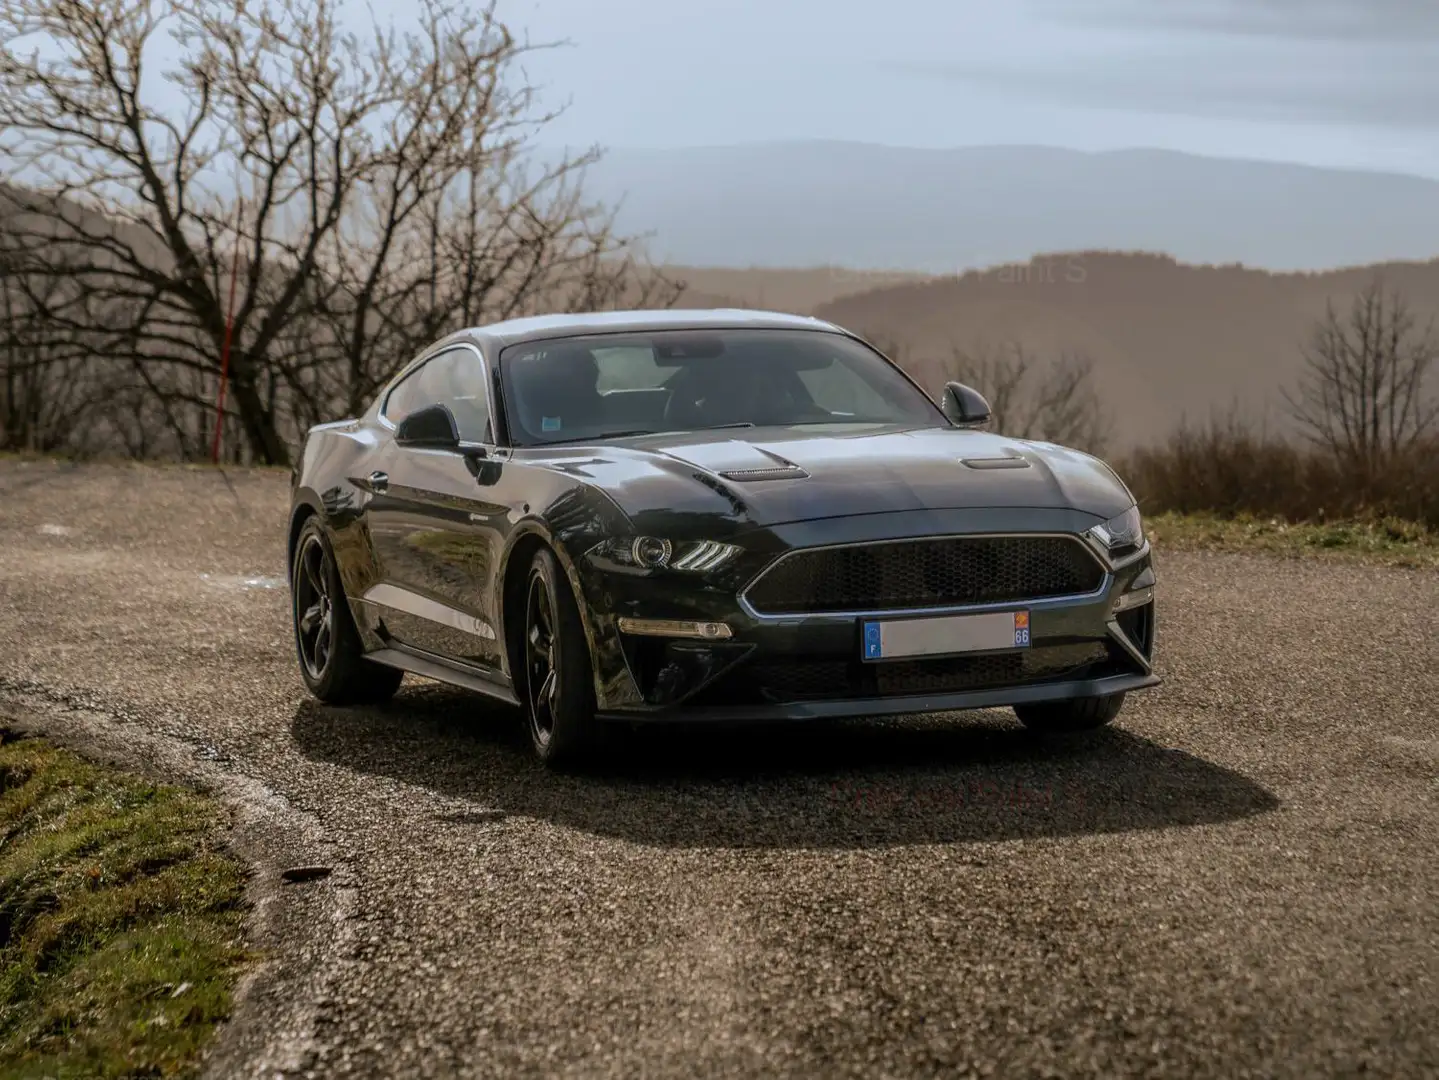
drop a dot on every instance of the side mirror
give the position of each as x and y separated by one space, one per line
964 406
432 427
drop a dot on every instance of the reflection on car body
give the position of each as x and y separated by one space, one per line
708 515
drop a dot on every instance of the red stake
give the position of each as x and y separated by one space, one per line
225 349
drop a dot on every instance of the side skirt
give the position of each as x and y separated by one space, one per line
405 659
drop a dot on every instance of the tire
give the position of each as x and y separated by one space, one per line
1076 714
556 675
327 643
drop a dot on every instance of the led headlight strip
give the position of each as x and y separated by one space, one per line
706 555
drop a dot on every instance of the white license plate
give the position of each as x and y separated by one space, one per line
944 635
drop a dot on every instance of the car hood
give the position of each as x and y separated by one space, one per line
769 476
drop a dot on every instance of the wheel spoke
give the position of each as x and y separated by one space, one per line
542 680
322 644
312 572
310 619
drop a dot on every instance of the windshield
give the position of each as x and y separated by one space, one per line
611 385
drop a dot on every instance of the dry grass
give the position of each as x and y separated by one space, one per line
1390 542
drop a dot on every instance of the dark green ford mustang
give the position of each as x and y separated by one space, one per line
708 515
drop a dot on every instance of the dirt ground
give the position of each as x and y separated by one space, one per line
1238 879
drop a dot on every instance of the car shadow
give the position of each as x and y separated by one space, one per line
973 777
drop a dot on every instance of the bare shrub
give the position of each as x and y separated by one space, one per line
1365 394
1052 399
1228 468
1368 417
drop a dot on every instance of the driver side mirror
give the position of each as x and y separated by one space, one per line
964 406
432 427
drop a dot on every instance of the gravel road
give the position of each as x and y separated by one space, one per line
1239 879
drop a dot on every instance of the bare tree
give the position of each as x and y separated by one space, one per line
47 393
388 195
1031 398
1364 394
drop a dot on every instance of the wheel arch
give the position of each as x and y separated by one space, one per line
305 506
528 538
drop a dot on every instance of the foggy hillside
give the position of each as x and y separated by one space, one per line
1170 340
943 211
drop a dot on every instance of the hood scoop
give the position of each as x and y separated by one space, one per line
995 462
778 472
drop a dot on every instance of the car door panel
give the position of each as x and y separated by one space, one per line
437 534
437 523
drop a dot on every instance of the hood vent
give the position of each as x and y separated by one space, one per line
779 472
995 462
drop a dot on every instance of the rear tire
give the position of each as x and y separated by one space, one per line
1077 714
332 658
556 674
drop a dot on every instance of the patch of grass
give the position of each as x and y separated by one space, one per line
121 919
1388 542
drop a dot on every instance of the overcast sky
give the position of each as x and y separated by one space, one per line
1352 83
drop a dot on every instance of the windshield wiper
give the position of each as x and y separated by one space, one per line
598 438
637 432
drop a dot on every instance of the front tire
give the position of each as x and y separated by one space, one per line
559 693
1076 714
332 658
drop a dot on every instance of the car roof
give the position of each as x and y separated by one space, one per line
513 331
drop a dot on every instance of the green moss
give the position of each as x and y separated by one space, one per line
120 919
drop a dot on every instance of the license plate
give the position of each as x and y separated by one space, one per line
890 639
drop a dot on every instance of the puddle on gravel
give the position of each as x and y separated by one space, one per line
55 530
243 581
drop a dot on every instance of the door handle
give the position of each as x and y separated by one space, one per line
379 481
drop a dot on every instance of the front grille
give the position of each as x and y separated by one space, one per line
827 679
928 573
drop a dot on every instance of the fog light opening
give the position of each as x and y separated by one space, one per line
704 631
1130 600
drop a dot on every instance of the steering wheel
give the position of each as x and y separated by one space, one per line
682 408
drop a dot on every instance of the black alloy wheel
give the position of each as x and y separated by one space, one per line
314 606
542 680
332 656
557 691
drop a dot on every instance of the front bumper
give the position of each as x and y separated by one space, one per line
810 666
902 705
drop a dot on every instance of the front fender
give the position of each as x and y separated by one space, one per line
613 685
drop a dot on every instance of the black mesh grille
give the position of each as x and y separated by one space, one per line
827 679
926 573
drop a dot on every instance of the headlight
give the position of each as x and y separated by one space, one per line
1122 534
655 553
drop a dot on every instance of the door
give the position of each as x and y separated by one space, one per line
437 519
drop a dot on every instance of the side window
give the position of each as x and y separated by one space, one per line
406 397
455 378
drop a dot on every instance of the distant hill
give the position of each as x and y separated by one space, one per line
1169 339
779 289
944 211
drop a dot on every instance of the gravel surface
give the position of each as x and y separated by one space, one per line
1238 879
